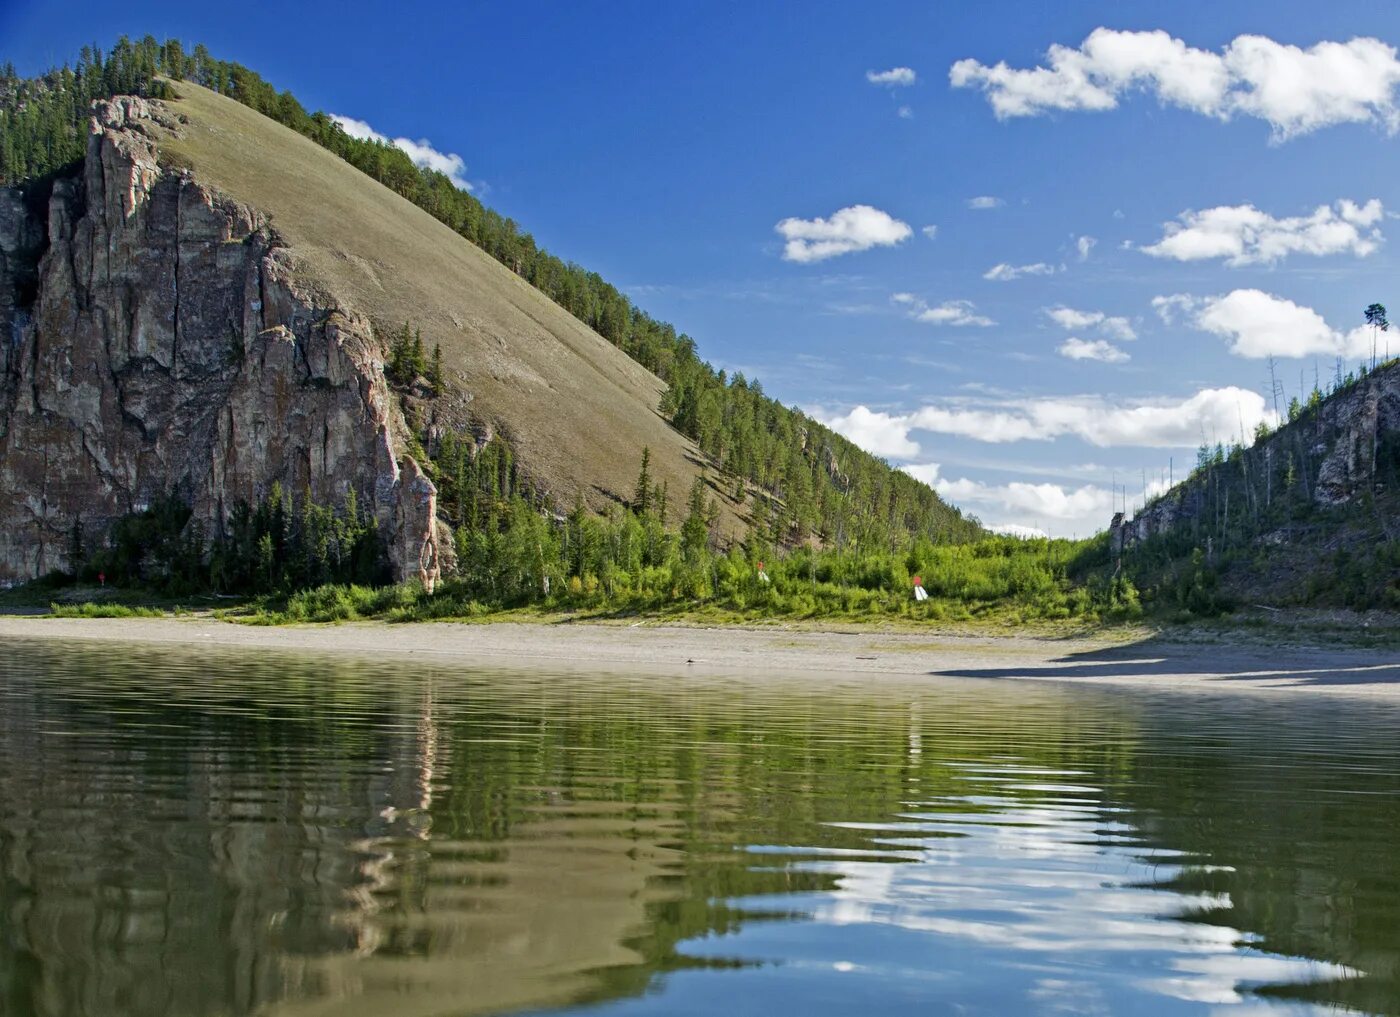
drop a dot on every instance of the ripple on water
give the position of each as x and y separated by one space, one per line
220 832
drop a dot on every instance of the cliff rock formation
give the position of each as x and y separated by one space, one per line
159 338
1335 454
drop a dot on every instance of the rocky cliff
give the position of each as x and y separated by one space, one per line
1286 517
1332 456
160 338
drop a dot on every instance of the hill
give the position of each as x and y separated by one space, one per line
1308 515
248 248
577 410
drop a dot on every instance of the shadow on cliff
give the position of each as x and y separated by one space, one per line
1224 665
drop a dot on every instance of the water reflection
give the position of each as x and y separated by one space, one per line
223 833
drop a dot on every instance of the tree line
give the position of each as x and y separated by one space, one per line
811 482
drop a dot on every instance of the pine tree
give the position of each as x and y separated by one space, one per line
641 496
695 531
419 363
435 370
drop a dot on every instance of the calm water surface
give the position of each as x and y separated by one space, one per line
199 833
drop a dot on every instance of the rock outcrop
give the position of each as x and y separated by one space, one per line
159 339
1335 452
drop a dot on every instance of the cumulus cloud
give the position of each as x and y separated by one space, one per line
895 77
1153 423
878 433
1091 349
950 312
1258 325
1037 501
1072 320
856 228
1005 272
449 164
1084 245
1243 235
1294 90
1018 530
983 202
1012 508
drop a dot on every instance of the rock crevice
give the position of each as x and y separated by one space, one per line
160 338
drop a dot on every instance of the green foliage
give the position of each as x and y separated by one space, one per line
43 120
814 483
90 609
273 547
406 361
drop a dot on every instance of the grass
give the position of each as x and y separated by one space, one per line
93 610
405 604
577 409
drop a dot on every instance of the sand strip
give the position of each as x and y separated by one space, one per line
674 649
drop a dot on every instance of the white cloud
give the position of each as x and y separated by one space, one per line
1004 272
983 202
1243 235
1018 530
925 472
1036 501
449 164
1295 90
1014 508
1091 418
1096 349
930 231
1084 245
1155 423
1072 320
1169 307
905 113
1259 325
856 228
878 433
950 312
895 77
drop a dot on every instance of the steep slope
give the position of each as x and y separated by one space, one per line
1309 514
200 288
161 342
577 410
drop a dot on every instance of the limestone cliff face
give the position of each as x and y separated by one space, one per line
158 338
1332 453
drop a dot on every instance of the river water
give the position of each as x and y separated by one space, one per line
191 833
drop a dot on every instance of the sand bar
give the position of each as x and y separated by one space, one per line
678 649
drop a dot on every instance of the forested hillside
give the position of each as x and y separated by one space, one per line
806 481
1305 515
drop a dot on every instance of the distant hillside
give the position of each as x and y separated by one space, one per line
1307 515
546 374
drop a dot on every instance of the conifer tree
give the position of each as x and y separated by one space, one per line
435 370
641 496
695 531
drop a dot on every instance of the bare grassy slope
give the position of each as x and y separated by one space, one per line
577 409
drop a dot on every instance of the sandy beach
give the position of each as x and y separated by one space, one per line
676 649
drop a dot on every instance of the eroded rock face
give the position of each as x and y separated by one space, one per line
1333 455
164 342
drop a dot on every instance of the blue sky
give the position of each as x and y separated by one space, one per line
663 144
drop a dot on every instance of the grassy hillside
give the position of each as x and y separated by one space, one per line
576 409
534 346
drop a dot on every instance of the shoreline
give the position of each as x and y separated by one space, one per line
668 649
